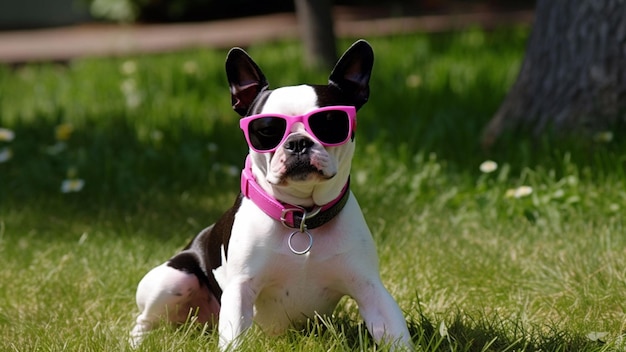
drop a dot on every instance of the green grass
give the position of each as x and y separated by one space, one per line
159 149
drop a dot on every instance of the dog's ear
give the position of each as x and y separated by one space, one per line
245 79
352 72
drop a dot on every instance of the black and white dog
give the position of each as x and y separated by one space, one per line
295 241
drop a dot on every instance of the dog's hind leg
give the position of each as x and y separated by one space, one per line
173 292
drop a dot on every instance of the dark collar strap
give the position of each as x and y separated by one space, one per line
326 214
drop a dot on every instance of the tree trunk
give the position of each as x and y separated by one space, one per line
317 32
573 77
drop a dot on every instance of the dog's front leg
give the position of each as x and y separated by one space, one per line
383 317
236 313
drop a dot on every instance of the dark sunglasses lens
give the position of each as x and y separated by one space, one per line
266 132
330 126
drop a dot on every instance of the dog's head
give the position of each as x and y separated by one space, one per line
301 138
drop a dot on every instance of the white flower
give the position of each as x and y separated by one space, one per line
519 192
488 166
128 86
133 101
6 135
559 193
599 336
5 155
360 177
443 329
131 93
190 67
128 67
523 191
72 185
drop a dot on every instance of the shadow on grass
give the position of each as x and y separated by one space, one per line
467 333
464 333
461 334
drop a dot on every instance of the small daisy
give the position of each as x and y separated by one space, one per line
559 193
128 67
361 177
519 192
599 336
72 185
443 329
128 86
133 101
190 67
131 93
488 166
5 155
6 135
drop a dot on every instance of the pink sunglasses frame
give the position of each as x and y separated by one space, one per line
304 119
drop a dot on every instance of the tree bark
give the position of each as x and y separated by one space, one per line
317 32
573 77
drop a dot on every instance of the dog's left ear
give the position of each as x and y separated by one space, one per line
352 72
245 78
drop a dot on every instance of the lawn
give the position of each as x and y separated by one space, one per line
108 167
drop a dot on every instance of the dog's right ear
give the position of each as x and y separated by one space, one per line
245 78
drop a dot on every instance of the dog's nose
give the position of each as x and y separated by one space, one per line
298 146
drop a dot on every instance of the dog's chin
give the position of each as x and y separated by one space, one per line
285 169
299 172
304 174
301 176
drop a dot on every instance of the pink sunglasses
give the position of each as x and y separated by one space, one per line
330 125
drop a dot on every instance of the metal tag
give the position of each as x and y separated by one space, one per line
307 249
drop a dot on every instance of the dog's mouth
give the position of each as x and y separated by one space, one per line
300 169
312 165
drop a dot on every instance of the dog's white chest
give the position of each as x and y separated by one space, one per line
290 288
294 296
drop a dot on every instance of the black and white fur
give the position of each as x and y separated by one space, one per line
240 270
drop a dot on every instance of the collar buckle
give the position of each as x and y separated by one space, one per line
293 222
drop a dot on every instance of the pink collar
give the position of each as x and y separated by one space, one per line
290 215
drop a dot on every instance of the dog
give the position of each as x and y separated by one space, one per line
295 241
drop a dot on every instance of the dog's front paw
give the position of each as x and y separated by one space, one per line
137 334
227 344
